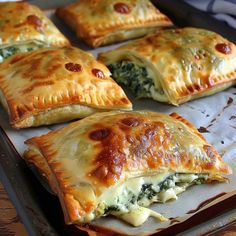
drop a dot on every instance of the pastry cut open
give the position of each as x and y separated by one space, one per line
175 65
24 27
53 85
118 163
101 22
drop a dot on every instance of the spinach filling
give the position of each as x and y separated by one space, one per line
127 199
133 76
151 191
9 51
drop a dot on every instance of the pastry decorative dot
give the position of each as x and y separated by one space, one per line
100 134
35 21
98 73
223 48
122 8
74 67
130 121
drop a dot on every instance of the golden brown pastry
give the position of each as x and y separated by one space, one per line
24 28
174 66
52 85
100 22
119 163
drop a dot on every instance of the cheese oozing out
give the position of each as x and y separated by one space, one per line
128 201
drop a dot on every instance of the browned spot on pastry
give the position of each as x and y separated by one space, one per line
74 67
223 48
130 139
52 69
146 149
203 130
35 21
21 111
125 100
110 160
211 154
207 80
150 133
130 121
88 206
190 88
37 84
152 40
99 134
15 59
209 151
33 66
23 5
112 163
122 8
198 87
98 73
101 172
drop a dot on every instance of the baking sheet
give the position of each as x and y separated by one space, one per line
215 116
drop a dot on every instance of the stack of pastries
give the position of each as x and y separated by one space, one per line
114 161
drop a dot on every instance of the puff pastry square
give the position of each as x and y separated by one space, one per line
119 163
174 66
52 85
100 22
24 27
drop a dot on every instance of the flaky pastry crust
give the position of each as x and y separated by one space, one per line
183 64
53 85
100 22
22 22
89 157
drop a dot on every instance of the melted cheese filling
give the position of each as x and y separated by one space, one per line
13 49
128 201
138 78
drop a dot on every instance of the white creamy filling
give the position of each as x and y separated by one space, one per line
138 215
156 95
123 203
154 91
